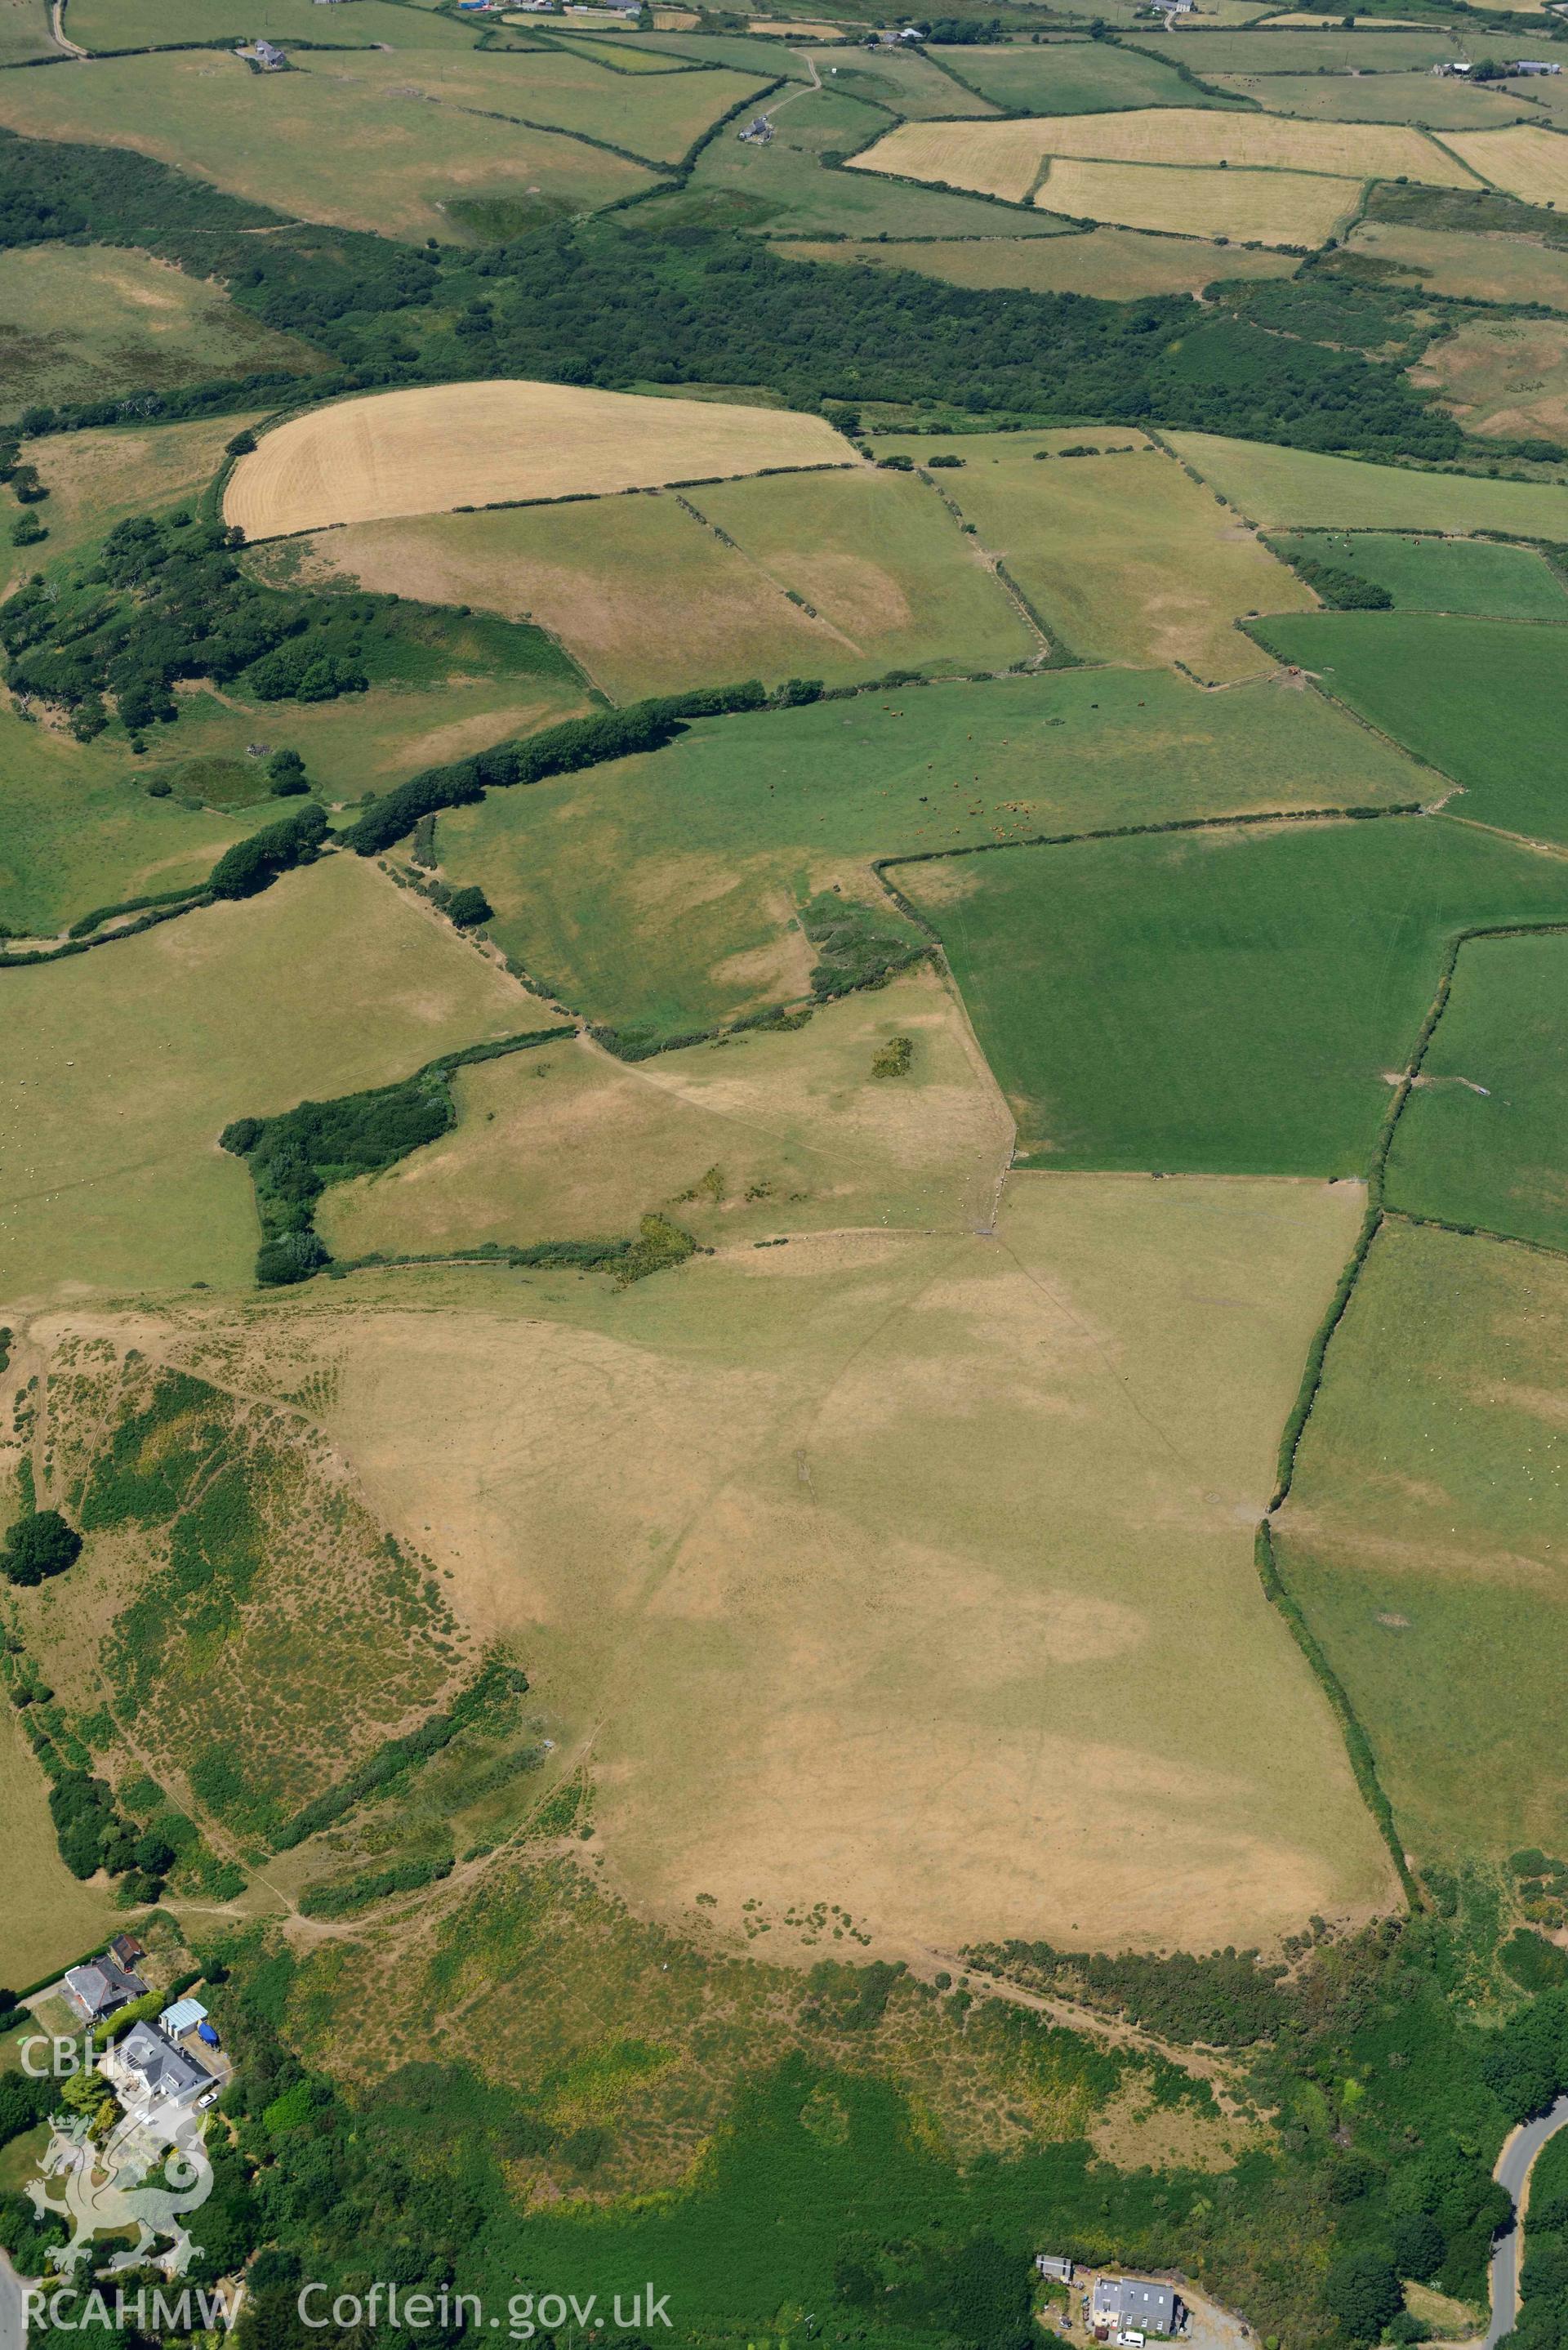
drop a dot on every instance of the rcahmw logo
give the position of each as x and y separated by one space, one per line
152 2312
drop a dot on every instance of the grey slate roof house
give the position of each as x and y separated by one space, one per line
1123 2302
103 1985
165 2071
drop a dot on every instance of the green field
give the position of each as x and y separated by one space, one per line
1295 489
835 575
87 323
1481 1139
1115 264
1482 700
902 79
1300 50
77 831
1425 1538
351 141
656 117
659 893
24 31
1415 97
151 23
127 1062
1074 77
789 188
1231 1000
1472 578
1122 554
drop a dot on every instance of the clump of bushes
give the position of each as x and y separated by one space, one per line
1346 591
286 778
253 864
488 1702
468 907
293 1158
1227 1999
856 945
342 1895
894 1058
40 1544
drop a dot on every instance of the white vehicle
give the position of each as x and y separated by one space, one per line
1130 2340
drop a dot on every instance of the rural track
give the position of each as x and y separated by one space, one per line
58 31
802 89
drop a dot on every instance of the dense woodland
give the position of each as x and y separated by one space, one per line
612 304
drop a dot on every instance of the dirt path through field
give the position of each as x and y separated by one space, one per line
57 30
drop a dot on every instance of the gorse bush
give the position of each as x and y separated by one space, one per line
1227 1999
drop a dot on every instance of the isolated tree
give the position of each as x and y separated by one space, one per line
287 777
39 1546
469 905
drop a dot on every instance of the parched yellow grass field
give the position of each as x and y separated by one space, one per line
1481 269
1293 208
426 450
1196 135
637 590
1004 158
1123 554
126 1064
732 1516
994 158
95 478
50 1919
651 600
1504 376
788 1132
1115 263
882 562
1526 161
